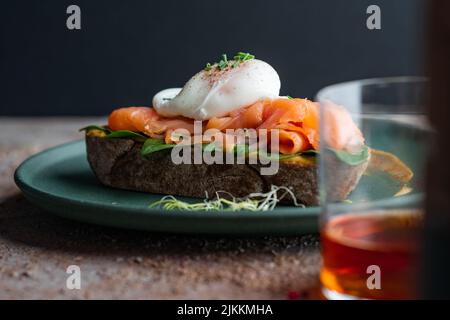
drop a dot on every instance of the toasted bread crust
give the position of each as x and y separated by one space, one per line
118 163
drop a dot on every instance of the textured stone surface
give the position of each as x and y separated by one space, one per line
36 247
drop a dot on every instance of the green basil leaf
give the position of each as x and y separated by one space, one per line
115 134
154 145
125 134
94 127
280 156
241 149
311 152
150 141
352 159
210 147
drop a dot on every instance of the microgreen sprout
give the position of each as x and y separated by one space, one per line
208 66
224 62
225 201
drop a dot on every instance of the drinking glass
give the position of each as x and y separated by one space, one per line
372 191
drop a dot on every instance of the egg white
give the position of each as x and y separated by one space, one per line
215 92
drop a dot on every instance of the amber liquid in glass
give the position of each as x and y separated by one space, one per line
353 242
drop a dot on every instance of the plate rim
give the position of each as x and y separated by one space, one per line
282 212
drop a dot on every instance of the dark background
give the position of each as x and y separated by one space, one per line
126 51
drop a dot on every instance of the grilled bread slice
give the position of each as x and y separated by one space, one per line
118 163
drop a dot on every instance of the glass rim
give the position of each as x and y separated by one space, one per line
322 93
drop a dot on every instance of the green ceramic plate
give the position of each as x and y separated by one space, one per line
60 181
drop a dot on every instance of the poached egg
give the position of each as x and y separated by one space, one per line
215 92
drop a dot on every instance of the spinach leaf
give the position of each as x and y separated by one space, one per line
210 147
280 156
241 149
125 134
115 134
310 152
352 159
154 145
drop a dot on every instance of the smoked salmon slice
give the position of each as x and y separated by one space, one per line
146 120
250 117
297 122
131 118
283 114
340 131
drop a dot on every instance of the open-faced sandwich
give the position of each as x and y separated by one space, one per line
219 132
